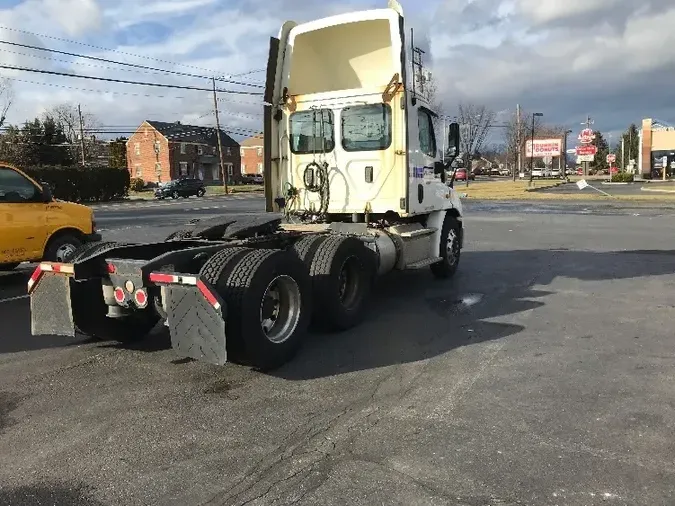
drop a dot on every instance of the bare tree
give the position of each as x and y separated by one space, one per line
475 122
67 117
6 99
518 132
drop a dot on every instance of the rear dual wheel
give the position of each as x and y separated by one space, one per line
268 298
342 270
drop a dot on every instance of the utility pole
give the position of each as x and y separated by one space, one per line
623 153
79 113
220 145
518 167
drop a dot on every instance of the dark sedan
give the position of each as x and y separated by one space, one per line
181 188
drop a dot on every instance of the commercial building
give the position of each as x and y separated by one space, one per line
657 143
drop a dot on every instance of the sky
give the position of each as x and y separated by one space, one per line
610 59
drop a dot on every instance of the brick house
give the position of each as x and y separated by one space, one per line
252 155
159 152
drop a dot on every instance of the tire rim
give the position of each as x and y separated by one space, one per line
280 309
349 282
64 251
175 195
452 247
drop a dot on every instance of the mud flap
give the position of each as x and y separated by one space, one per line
50 309
197 326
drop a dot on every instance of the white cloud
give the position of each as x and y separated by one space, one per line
609 58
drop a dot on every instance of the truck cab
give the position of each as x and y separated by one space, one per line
34 226
351 130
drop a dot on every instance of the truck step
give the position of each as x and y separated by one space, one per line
418 233
423 263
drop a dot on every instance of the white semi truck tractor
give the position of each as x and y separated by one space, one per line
355 187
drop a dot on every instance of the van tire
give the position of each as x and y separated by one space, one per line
61 247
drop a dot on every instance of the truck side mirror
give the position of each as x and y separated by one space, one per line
453 140
47 195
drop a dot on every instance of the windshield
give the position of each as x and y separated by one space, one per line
366 127
312 131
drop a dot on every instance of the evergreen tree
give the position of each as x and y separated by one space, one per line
600 142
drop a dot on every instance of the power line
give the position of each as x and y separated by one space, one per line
89 90
103 48
134 65
123 81
71 62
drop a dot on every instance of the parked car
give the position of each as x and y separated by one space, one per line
555 172
258 179
460 175
504 172
185 188
541 173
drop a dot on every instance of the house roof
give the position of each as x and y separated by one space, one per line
178 132
252 142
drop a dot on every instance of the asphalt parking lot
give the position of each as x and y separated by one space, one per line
542 374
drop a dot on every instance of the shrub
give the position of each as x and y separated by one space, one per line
622 177
136 184
90 184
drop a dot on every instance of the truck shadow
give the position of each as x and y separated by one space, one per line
414 317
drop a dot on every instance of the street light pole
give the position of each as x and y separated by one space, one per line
534 114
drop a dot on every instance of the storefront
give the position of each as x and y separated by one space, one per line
657 145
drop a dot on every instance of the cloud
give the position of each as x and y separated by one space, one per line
607 58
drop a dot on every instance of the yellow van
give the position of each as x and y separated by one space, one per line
34 226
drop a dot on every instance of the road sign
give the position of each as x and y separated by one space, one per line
581 184
543 147
611 158
588 149
586 136
585 158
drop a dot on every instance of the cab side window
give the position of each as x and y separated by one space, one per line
426 133
16 189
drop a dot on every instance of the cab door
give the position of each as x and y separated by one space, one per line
23 227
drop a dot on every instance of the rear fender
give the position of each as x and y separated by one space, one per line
195 315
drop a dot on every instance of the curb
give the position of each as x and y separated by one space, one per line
656 190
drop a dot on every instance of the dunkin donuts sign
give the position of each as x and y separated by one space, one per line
543 148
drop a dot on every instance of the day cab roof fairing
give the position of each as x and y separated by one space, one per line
358 51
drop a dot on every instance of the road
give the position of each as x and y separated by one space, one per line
540 375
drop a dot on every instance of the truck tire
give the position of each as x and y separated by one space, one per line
62 247
90 310
342 270
449 249
306 247
268 297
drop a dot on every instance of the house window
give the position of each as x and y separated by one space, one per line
183 167
139 170
259 151
157 146
215 170
158 168
183 148
214 150
243 168
230 169
241 152
200 150
137 148
260 168
228 151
